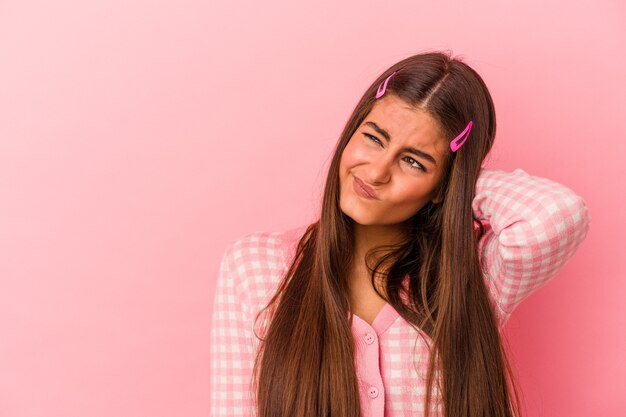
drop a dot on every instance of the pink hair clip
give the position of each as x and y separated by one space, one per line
461 138
383 87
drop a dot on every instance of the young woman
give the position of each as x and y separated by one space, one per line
392 303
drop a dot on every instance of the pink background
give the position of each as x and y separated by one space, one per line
137 138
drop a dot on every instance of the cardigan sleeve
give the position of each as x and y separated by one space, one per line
533 227
232 348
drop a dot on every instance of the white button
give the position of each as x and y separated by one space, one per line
369 338
372 392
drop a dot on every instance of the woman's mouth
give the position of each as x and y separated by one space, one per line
363 190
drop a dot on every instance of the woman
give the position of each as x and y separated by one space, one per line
392 303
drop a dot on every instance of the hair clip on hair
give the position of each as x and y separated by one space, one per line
461 138
383 87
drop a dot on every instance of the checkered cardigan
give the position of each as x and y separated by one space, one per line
533 226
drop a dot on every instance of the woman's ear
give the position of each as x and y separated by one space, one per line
438 194
438 198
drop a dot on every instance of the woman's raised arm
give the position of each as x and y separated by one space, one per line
534 225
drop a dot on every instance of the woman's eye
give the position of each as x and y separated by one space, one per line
417 165
373 138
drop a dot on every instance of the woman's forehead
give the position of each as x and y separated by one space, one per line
405 122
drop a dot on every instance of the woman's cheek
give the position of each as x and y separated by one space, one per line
361 154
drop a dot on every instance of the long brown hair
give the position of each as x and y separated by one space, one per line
305 362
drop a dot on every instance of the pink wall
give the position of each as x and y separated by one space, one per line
137 138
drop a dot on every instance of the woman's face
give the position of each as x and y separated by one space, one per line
401 180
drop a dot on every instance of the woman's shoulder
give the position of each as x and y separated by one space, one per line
265 245
257 261
261 257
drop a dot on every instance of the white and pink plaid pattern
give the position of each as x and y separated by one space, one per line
533 226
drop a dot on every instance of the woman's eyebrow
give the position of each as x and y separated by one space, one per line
387 136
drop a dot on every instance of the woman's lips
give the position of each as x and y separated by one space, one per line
363 190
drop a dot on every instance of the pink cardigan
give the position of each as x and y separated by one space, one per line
533 226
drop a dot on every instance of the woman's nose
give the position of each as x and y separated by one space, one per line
380 170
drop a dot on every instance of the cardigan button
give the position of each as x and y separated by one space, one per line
372 392
369 338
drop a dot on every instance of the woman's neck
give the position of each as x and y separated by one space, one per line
365 239
368 237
